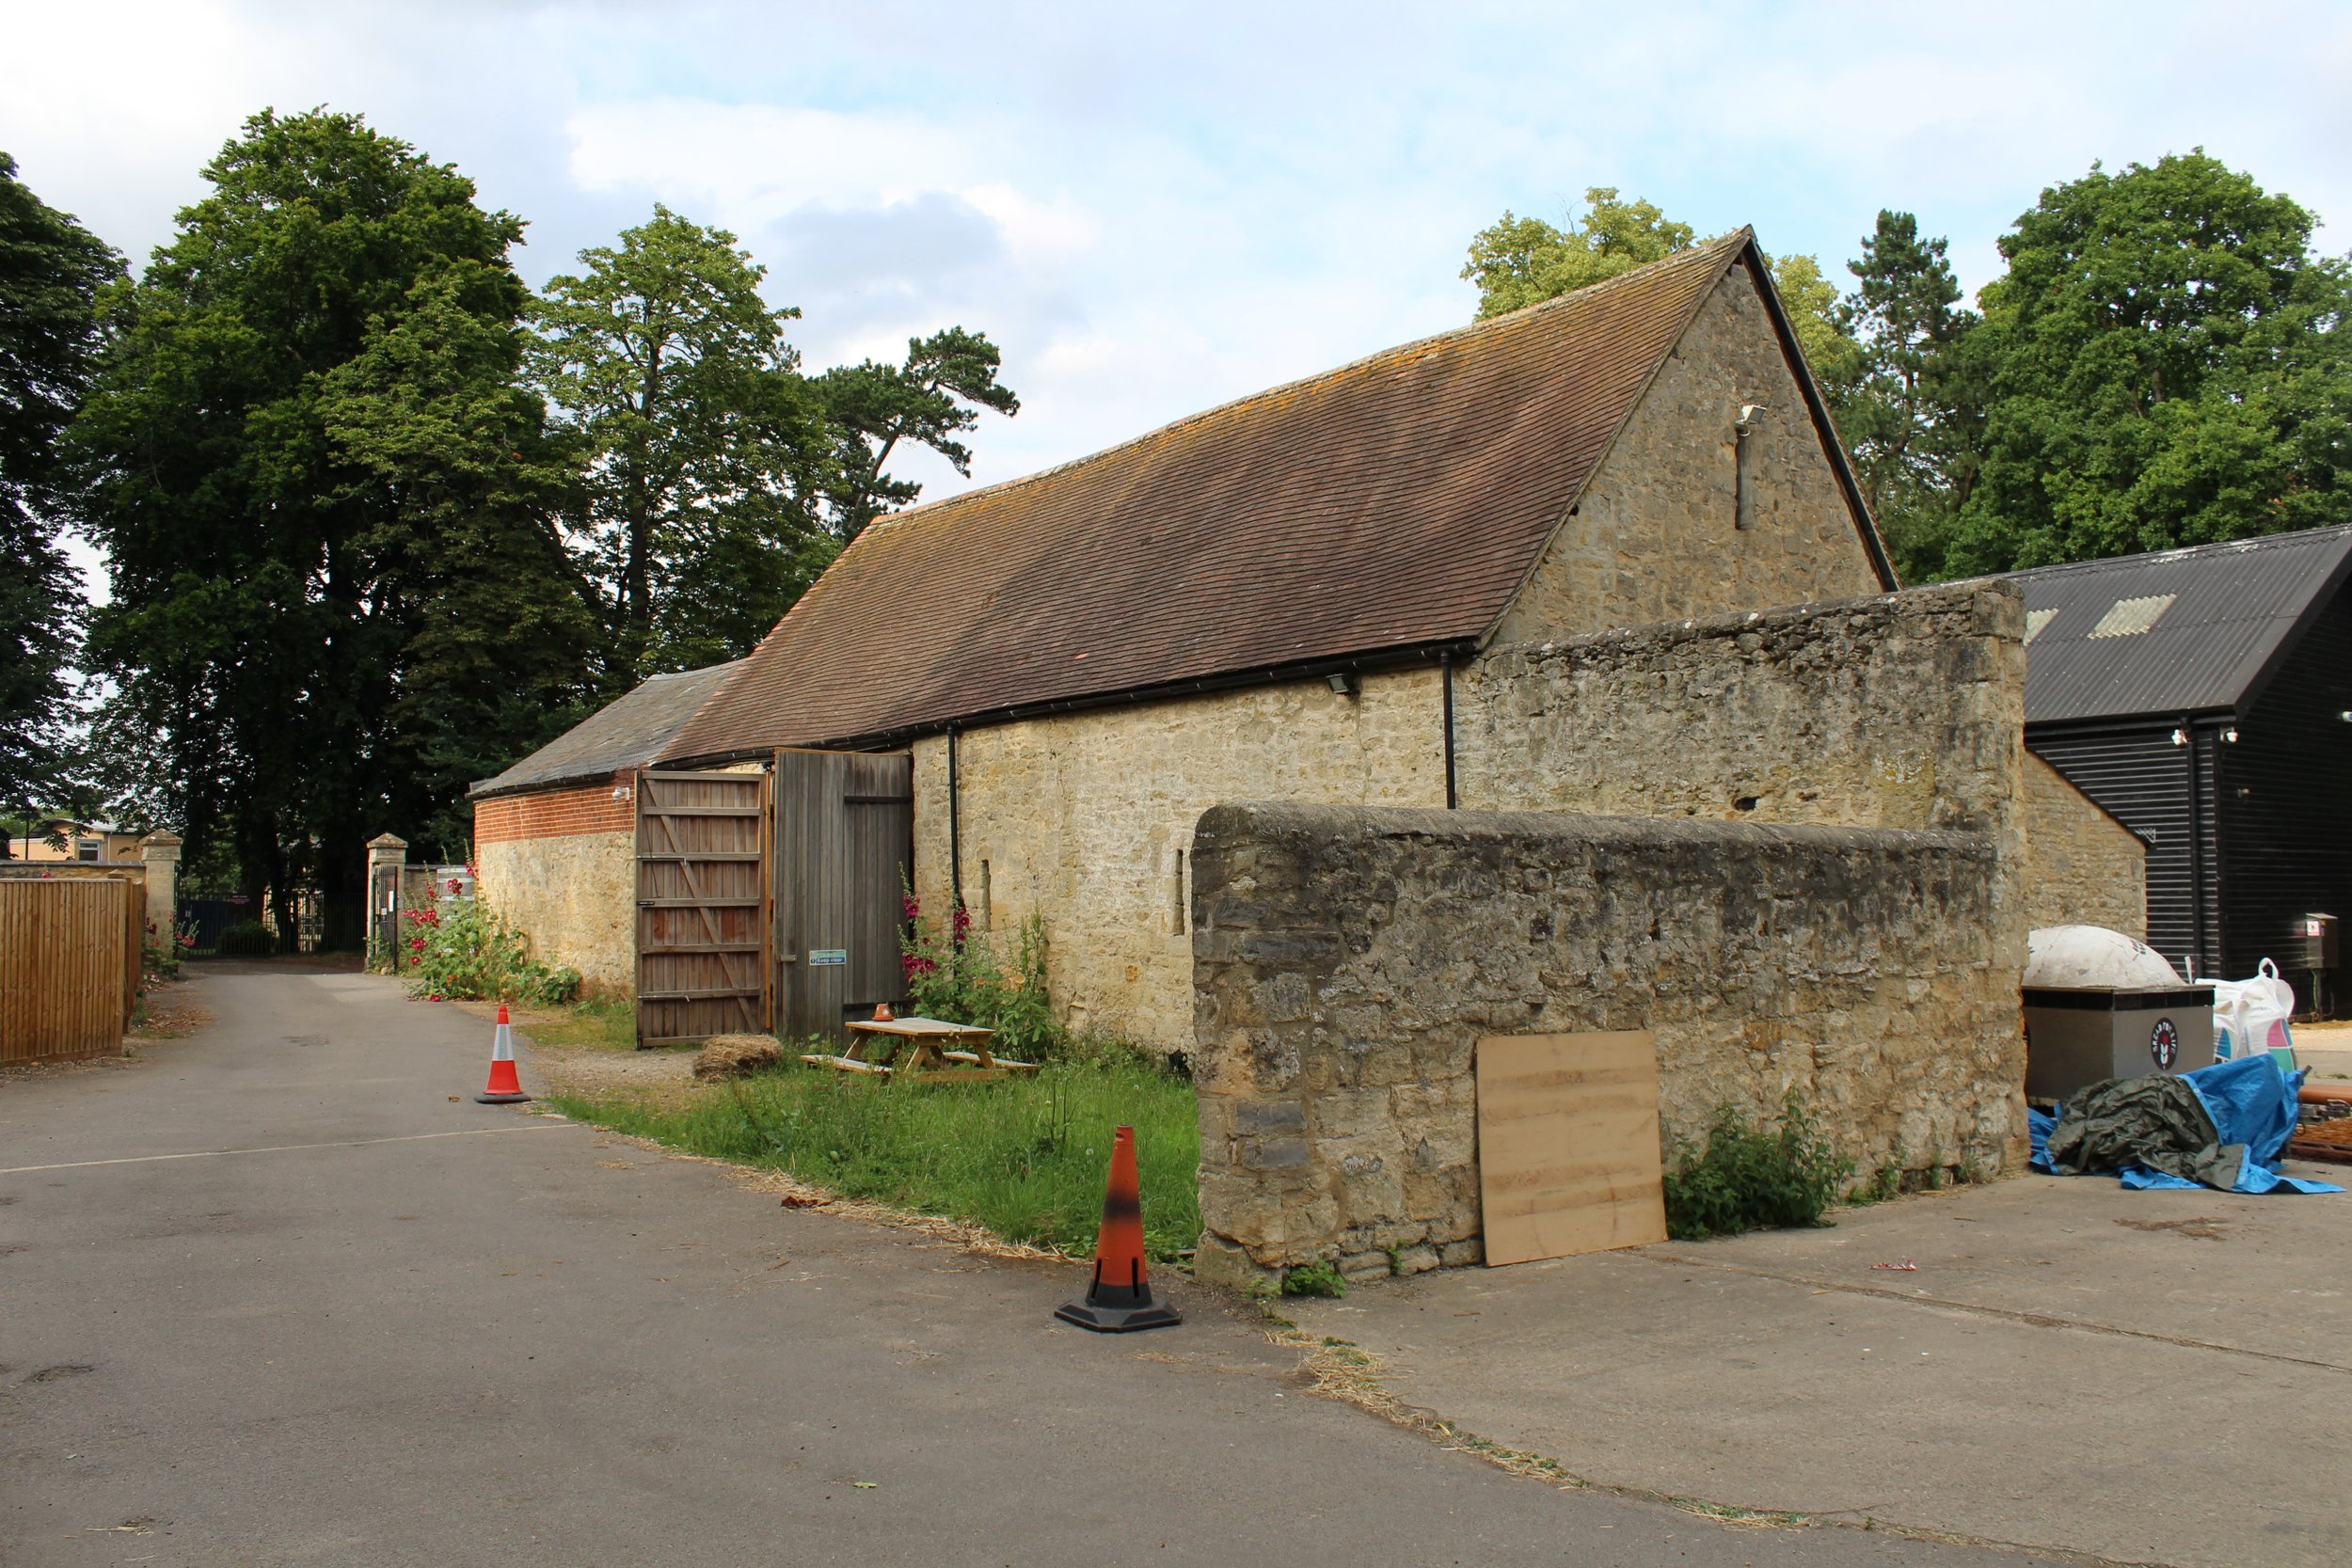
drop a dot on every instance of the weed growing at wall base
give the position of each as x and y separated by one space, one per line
1024 1157
1750 1178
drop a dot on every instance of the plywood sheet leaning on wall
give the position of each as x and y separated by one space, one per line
1568 1144
68 967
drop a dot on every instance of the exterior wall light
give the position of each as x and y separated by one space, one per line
2180 737
1344 684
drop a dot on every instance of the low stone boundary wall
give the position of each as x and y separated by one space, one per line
1347 961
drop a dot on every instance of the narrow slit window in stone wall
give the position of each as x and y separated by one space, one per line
988 908
1181 913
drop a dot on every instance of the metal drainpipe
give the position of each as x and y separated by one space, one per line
955 825
1445 663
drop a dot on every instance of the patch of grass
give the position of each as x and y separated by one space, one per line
1750 1177
599 1025
1026 1157
1319 1278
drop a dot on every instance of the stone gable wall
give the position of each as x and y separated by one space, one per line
1654 537
1349 960
2083 866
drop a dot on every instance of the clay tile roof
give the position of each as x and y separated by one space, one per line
630 731
1395 503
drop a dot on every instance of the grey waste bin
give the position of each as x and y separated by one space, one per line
2076 1035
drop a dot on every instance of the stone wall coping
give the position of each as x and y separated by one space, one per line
1931 599
1263 819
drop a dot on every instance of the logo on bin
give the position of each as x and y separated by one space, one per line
2164 1044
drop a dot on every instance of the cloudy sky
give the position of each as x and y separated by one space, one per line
1154 209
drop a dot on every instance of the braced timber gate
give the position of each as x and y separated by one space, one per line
770 901
702 906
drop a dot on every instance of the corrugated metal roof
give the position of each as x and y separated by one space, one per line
630 731
2183 631
1394 503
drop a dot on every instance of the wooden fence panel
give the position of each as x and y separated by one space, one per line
66 981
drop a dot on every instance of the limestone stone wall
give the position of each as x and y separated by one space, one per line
1349 960
1086 820
561 865
2083 867
1660 532
1902 710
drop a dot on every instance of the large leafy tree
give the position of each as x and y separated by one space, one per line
1911 415
2167 364
706 458
927 400
323 507
52 271
1517 262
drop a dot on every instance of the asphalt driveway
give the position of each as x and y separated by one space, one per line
282 1293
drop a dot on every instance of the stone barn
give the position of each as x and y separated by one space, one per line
556 835
1578 606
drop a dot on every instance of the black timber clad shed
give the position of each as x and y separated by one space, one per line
2204 697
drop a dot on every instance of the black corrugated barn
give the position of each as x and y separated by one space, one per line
2204 696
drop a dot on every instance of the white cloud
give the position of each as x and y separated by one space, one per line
1151 211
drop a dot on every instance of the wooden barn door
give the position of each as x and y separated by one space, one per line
702 906
845 851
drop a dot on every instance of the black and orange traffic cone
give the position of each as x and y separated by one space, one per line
1120 1298
505 1088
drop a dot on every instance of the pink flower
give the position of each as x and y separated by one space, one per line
913 907
963 920
914 964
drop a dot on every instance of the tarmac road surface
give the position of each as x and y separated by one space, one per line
268 1296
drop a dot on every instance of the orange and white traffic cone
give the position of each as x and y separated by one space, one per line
505 1088
1120 1298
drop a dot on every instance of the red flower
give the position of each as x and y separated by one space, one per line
914 965
415 945
912 907
963 922
456 886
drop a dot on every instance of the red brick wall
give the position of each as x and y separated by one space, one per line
553 814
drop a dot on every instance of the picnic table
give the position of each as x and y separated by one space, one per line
929 1050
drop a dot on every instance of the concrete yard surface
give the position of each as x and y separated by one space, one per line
280 1293
2147 1377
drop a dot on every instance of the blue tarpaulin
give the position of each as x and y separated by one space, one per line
2251 1103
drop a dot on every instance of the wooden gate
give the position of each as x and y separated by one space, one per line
845 851
68 965
702 906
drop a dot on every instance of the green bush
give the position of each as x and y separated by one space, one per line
247 939
957 974
1750 1178
471 953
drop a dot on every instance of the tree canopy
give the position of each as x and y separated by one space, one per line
2164 363
706 458
378 521
318 493
1517 262
52 271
